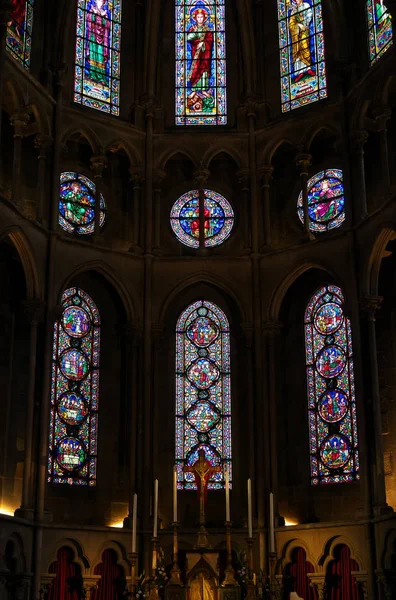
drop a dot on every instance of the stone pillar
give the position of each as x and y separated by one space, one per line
5 9
317 580
90 585
19 120
382 115
159 176
42 143
370 305
265 172
98 163
201 176
137 178
244 178
303 162
358 139
247 344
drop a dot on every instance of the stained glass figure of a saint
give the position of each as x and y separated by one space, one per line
203 392
302 53
77 204
200 62
74 392
19 31
326 201
333 436
202 218
98 43
380 36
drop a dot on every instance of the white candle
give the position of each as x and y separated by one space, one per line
155 530
271 524
227 491
249 489
175 494
134 517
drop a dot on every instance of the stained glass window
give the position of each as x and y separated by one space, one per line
74 392
379 23
302 53
77 204
98 45
209 227
203 392
200 62
19 31
331 389
325 201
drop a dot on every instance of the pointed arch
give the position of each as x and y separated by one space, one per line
203 392
75 392
19 31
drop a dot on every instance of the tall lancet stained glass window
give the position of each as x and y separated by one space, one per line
74 393
379 24
302 53
98 44
331 389
200 62
19 31
203 392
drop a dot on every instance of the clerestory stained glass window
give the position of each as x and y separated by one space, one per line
202 218
200 62
77 204
203 392
326 201
74 392
379 22
98 46
19 31
302 53
333 435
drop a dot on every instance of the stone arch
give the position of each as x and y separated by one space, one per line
287 551
13 96
40 115
328 551
378 252
266 156
25 252
211 154
111 277
389 550
18 553
120 551
79 558
135 158
315 130
166 156
88 134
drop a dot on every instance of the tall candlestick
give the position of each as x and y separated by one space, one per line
155 531
271 524
227 491
134 517
175 494
249 490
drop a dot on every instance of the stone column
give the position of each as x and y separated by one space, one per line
90 585
382 115
303 162
201 176
19 120
246 343
137 178
265 172
5 9
159 177
244 178
358 139
98 163
42 143
317 580
370 305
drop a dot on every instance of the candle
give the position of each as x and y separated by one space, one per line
134 517
155 530
271 524
249 490
175 494
227 491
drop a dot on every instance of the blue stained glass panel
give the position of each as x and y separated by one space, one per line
19 31
380 32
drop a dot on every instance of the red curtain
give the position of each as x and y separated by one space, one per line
340 583
67 582
111 583
297 573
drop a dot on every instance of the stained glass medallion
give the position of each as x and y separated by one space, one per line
302 53
331 390
217 219
203 391
326 201
97 62
19 31
77 204
200 62
380 31
74 392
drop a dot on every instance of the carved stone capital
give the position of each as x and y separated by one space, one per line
370 305
33 309
358 138
243 178
159 177
59 70
303 162
271 327
42 142
19 120
361 578
382 114
201 176
265 172
98 164
136 175
318 581
90 585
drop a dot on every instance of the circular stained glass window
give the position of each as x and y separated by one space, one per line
335 451
72 408
331 362
325 201
328 318
333 406
213 223
74 364
70 454
76 321
77 204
